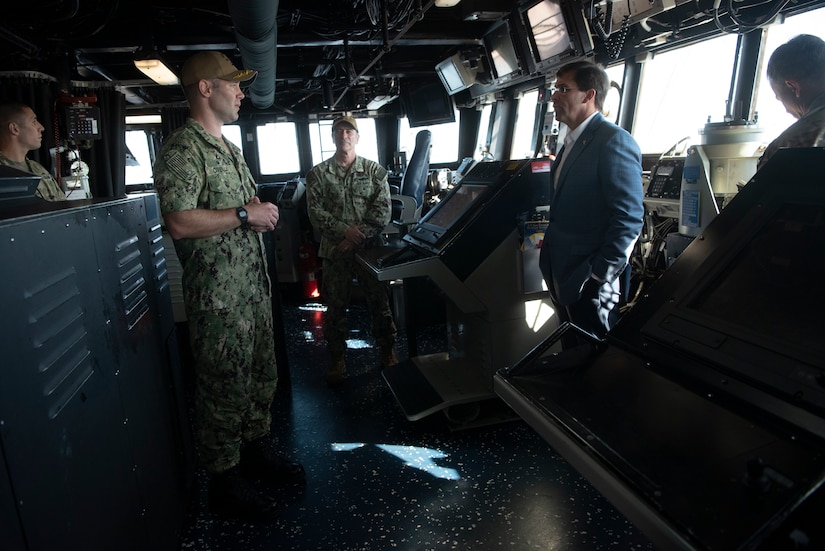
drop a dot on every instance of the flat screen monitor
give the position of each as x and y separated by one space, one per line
426 102
17 187
751 312
780 262
455 74
502 53
449 212
556 33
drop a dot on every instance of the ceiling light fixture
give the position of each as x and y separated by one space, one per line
446 3
153 67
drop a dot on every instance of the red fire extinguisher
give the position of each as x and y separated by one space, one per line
307 267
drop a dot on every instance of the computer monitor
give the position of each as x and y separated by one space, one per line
450 210
557 34
17 187
455 74
746 307
502 53
780 262
426 102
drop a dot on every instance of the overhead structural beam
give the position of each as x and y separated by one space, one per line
387 47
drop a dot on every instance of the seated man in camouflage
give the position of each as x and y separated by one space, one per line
21 132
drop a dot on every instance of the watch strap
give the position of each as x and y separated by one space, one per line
243 216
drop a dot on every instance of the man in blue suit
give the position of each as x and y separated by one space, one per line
597 207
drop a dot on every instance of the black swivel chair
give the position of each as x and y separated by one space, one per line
407 205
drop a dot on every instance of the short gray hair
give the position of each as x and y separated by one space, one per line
802 59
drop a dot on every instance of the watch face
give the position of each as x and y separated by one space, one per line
242 215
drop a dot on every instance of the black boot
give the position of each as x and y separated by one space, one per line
232 496
260 461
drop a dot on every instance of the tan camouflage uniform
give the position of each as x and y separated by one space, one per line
48 188
809 131
227 295
338 198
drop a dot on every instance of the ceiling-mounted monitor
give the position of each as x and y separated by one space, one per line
557 33
456 74
426 102
502 53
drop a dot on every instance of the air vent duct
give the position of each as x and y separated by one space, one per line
256 31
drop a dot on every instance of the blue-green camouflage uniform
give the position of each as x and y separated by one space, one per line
48 188
338 198
227 295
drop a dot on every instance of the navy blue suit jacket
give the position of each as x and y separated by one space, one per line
596 213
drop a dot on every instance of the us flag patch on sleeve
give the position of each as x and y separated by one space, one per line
177 164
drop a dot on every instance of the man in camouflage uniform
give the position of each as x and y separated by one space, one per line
348 200
796 73
21 132
207 197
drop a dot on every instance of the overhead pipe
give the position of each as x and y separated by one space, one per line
256 32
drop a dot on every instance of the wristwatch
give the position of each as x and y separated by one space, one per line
243 216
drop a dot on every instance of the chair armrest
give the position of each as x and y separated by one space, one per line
409 208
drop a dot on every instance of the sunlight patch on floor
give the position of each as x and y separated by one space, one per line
413 456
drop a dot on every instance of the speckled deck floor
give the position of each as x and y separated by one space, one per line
376 481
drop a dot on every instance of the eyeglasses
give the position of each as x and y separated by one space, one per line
561 90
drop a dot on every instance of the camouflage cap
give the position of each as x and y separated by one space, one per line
346 119
206 65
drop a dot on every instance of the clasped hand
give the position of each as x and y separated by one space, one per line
353 238
263 217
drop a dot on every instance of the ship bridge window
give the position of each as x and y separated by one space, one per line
483 149
142 132
323 147
612 102
139 163
680 89
278 148
444 140
524 135
232 132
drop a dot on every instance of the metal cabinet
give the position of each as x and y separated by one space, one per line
93 423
